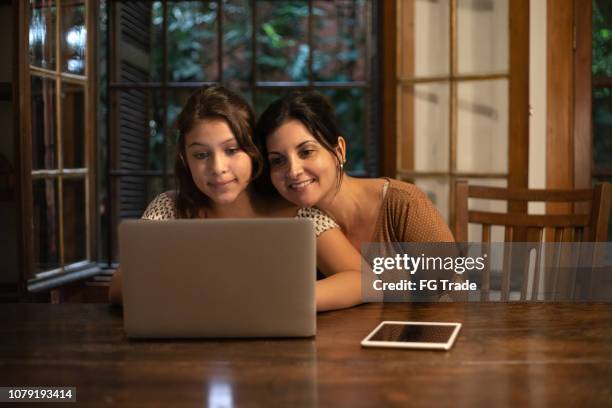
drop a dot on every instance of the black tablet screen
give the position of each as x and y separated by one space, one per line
413 333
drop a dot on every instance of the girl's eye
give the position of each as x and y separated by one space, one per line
201 155
232 151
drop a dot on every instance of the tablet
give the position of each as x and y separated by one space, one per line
414 335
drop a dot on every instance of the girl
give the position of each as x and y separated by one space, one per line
215 164
299 136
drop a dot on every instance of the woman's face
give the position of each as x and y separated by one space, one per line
301 169
219 167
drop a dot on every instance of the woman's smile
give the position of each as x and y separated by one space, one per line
301 185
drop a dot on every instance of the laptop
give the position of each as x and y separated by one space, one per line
218 278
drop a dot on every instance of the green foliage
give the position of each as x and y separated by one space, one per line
282 54
602 38
602 97
349 105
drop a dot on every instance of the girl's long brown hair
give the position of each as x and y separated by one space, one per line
211 102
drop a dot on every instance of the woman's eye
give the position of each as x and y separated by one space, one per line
307 153
276 161
201 155
232 150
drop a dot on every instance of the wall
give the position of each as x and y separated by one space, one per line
9 269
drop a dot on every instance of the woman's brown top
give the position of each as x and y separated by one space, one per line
407 215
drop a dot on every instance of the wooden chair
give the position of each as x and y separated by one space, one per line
588 226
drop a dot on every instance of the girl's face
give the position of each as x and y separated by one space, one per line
219 167
301 169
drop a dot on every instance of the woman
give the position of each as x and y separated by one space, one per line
215 164
299 136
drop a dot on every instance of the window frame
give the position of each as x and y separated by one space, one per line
81 269
517 75
165 86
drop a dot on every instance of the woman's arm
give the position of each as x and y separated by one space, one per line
341 264
114 292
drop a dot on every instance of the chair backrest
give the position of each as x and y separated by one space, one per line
586 226
591 226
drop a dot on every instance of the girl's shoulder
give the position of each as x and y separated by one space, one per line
163 207
322 222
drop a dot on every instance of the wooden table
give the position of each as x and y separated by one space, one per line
506 355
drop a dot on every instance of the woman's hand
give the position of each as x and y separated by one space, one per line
341 264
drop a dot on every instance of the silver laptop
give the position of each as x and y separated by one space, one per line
218 278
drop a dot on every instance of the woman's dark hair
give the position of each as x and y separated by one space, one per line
314 111
211 102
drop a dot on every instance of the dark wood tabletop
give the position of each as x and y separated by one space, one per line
512 354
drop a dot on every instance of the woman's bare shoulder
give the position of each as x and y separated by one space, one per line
372 187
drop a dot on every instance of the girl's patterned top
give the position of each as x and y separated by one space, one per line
163 208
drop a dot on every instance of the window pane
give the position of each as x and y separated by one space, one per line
424 120
482 36
340 30
602 38
349 105
602 128
138 126
74 214
43 124
425 34
192 41
43 17
45 225
282 47
263 98
237 47
138 28
437 189
73 126
482 126
176 101
73 37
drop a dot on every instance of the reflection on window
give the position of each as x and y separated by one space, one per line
74 38
41 35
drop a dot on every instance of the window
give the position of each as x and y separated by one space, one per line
59 131
602 94
453 95
159 52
